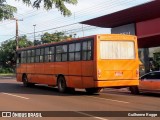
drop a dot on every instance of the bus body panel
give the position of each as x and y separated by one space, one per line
19 77
49 68
23 68
121 69
30 68
87 68
74 74
116 72
39 68
61 68
88 82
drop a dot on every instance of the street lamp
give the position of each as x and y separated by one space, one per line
34 33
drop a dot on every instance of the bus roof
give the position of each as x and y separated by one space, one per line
49 44
70 40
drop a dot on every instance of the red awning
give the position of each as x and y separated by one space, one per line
149 41
131 15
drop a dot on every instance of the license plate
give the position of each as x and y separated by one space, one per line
118 73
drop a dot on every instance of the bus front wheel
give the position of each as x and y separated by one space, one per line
93 90
61 84
26 83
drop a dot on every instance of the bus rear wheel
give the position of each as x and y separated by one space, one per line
134 90
62 87
93 90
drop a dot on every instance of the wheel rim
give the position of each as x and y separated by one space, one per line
62 85
25 81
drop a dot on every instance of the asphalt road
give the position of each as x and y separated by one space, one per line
15 97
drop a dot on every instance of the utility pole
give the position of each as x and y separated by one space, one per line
16 34
16 30
34 34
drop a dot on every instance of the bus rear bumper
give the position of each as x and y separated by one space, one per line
116 83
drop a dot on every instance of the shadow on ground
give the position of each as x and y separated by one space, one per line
18 88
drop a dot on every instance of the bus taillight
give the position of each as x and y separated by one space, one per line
137 72
99 73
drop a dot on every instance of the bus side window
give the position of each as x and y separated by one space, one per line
71 51
28 56
47 56
51 56
78 51
32 56
42 55
58 53
64 52
37 55
18 58
23 57
87 50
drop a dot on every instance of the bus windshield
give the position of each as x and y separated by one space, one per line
117 50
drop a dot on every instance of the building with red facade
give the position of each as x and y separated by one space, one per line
142 21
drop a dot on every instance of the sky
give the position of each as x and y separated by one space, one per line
52 20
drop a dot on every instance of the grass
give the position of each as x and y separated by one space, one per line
7 74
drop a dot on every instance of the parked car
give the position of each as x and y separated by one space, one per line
149 82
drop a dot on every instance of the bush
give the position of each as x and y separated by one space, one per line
6 70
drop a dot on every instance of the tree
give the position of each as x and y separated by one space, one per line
8 49
54 37
6 11
48 4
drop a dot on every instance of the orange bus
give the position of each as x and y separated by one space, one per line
90 63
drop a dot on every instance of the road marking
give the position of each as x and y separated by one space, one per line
109 99
15 95
100 118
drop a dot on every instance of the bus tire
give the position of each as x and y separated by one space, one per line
134 90
26 83
93 90
62 87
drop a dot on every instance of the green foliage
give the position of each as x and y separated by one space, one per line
6 11
54 37
37 42
48 4
6 70
8 49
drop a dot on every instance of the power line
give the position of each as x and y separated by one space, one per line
61 20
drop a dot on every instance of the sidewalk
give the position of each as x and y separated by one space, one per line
7 76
